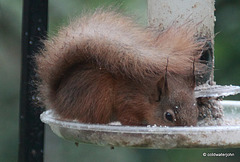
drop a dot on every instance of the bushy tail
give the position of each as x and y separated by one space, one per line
115 43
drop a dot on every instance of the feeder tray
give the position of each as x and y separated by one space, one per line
206 90
226 135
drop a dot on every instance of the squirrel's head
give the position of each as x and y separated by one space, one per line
175 103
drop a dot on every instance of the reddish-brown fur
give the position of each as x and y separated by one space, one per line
103 68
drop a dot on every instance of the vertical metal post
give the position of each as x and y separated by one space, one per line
162 13
34 28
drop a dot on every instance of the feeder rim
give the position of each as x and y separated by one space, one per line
49 118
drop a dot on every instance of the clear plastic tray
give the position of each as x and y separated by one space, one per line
227 135
206 90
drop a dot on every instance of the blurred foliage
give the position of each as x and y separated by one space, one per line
227 57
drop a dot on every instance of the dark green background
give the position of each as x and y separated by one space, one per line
227 57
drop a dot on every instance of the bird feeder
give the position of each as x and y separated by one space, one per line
213 135
153 137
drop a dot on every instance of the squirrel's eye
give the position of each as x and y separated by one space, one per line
169 116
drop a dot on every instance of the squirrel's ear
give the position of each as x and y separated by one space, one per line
162 86
191 79
160 89
166 79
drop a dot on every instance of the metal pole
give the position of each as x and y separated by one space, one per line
34 28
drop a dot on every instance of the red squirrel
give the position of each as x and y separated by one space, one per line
103 67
